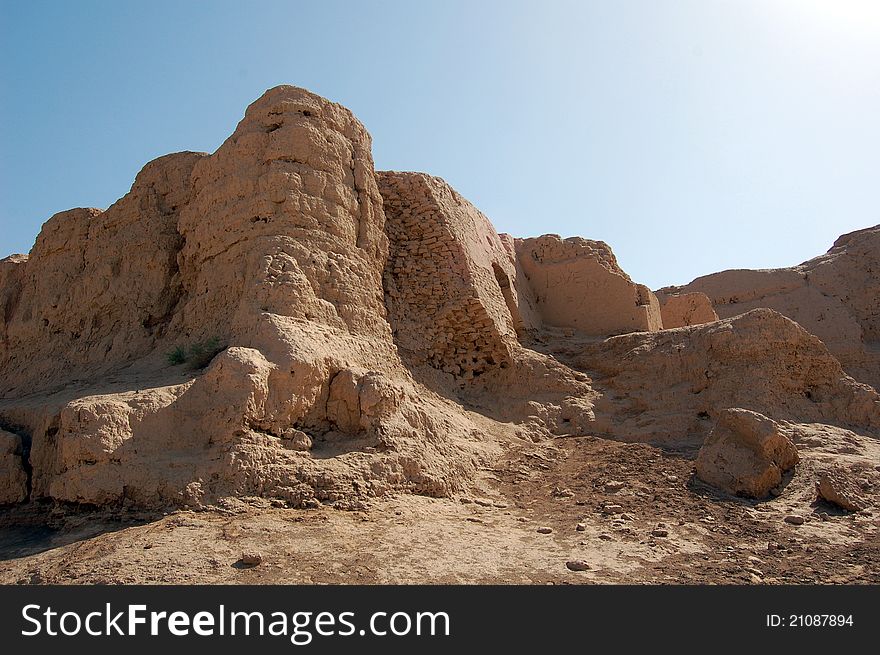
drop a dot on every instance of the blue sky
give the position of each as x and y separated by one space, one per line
693 136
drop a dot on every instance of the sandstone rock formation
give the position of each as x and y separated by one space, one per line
745 454
835 296
681 310
577 283
349 333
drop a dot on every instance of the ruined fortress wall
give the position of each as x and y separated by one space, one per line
449 281
835 296
278 243
275 244
99 287
286 219
848 272
577 283
817 313
682 310
527 319
283 220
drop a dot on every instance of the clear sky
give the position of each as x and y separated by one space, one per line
691 135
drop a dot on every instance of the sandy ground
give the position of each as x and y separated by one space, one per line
632 512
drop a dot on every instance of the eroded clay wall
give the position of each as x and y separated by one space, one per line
450 282
835 296
684 309
99 287
274 244
577 283
283 220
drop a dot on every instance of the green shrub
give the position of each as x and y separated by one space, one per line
176 356
201 353
198 355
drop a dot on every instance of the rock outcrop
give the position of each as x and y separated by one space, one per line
835 296
745 454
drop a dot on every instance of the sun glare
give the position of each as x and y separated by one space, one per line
861 16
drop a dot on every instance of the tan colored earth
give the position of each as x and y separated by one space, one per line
835 296
274 364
